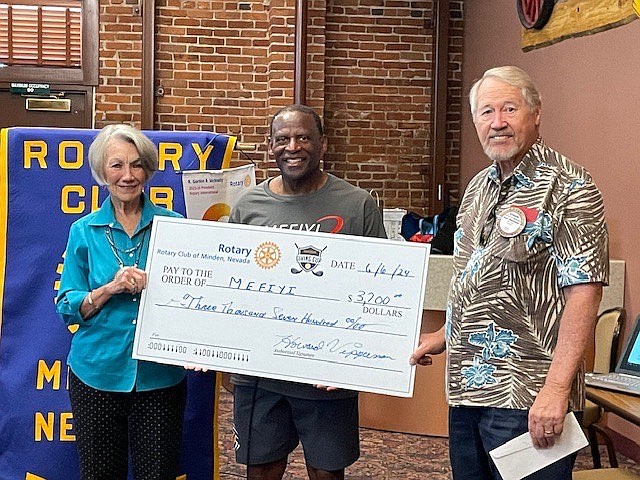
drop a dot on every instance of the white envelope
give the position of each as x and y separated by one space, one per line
518 457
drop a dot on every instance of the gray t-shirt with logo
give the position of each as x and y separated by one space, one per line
337 207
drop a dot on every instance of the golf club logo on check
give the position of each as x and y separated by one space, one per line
308 258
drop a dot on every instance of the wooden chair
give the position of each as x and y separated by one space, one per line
607 333
605 474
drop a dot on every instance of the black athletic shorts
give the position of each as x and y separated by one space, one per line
269 425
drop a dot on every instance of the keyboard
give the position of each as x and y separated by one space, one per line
620 382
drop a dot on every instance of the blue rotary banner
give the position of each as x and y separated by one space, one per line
45 185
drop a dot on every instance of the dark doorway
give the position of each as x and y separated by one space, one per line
40 111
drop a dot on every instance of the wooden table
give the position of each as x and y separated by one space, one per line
621 404
427 412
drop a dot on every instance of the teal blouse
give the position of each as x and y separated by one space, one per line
101 348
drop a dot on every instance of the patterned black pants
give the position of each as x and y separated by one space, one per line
108 425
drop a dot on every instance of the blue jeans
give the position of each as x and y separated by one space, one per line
474 431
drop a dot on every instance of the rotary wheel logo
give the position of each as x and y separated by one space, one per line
267 255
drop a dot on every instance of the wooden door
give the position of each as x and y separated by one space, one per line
74 111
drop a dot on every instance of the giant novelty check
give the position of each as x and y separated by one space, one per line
308 307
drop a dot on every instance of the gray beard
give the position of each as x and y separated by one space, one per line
500 156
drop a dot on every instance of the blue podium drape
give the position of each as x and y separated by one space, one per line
46 184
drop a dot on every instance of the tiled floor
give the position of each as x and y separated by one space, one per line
384 455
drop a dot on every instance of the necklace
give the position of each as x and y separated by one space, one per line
134 251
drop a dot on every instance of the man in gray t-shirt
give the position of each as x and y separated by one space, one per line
272 416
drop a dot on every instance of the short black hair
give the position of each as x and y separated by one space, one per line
298 108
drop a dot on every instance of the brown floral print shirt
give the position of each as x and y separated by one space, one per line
518 243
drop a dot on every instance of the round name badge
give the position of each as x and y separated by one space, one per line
511 221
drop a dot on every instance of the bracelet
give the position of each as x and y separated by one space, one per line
90 300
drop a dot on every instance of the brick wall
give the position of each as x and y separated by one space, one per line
227 66
118 94
455 96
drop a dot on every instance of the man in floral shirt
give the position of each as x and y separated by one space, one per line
530 260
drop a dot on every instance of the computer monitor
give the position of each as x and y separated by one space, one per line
630 360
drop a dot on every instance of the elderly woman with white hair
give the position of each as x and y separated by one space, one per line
119 404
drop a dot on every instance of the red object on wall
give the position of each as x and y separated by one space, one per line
534 13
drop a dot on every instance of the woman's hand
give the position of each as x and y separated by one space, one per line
326 388
196 368
129 280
